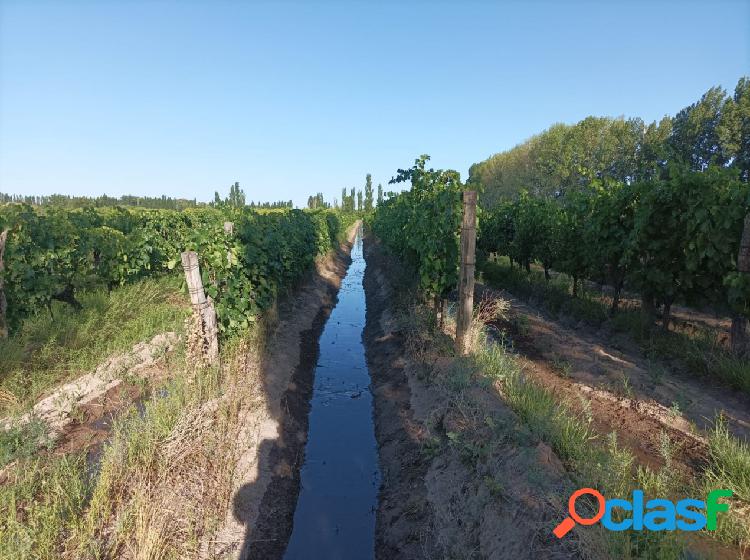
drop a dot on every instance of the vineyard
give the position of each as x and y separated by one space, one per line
242 318
101 356
671 240
54 254
421 225
674 243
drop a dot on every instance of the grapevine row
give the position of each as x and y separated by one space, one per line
675 239
52 253
422 225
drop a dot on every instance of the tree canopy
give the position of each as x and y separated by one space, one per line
715 130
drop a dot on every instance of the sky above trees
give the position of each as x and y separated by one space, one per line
714 130
290 99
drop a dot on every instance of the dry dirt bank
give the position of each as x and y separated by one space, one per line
462 477
620 388
272 425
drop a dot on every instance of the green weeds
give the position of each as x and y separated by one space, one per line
39 505
50 348
21 440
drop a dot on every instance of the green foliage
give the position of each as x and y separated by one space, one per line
317 201
40 504
236 198
68 201
686 235
671 239
734 128
270 252
23 440
714 131
368 193
526 230
422 225
53 254
608 228
695 131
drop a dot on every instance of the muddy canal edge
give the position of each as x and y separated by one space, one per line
404 524
454 485
272 438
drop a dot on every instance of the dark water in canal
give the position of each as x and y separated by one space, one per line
335 515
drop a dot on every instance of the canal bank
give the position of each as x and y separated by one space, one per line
335 514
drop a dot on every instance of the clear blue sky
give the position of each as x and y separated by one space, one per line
183 98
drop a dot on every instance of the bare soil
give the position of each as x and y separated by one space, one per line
624 392
682 315
610 380
455 484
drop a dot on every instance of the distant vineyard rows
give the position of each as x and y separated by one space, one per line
670 240
53 253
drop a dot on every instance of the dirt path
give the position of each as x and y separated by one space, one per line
620 388
455 484
273 427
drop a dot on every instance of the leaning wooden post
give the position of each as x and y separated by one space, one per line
3 301
202 306
466 273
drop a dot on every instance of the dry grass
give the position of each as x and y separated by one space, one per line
164 481
167 478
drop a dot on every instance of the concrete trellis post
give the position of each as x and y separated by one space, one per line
229 231
202 306
466 272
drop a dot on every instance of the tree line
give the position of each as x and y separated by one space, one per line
236 198
103 201
352 200
660 208
713 131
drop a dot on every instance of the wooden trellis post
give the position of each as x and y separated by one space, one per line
3 301
202 306
466 273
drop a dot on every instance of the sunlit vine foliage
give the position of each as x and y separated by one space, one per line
54 253
672 239
422 225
